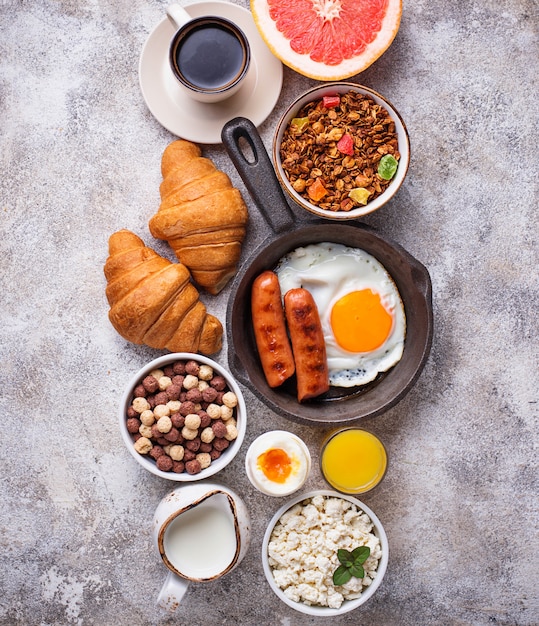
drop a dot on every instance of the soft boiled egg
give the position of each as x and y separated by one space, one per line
278 463
360 308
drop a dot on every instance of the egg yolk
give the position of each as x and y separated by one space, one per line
360 322
275 464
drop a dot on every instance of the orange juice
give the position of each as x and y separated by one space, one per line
353 460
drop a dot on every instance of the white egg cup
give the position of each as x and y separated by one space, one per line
287 441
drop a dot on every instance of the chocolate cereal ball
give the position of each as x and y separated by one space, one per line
133 424
164 463
150 384
193 467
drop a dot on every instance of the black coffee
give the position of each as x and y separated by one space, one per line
210 56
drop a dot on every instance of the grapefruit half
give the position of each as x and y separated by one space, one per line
327 39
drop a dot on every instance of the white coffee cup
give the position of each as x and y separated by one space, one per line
202 532
209 55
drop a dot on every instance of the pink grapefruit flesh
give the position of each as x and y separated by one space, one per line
327 39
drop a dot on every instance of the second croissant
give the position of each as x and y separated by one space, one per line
202 215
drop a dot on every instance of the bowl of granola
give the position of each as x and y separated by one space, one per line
183 417
341 151
324 553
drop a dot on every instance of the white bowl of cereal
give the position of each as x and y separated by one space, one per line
301 549
341 151
183 417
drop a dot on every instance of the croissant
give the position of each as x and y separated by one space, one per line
202 216
153 302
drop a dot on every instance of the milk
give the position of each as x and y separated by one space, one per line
201 542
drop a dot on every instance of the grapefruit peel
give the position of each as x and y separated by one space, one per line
327 39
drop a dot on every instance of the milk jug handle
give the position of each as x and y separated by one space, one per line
172 592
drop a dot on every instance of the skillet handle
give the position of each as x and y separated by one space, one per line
257 174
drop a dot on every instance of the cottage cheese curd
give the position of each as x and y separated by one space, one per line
302 550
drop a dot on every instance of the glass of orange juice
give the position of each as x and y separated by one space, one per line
353 460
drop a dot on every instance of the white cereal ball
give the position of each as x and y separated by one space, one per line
143 445
147 417
190 382
161 410
230 399
192 421
157 373
226 412
164 424
174 406
205 372
204 459
189 433
145 431
164 383
214 411
207 435
140 405
176 452
231 432
202 384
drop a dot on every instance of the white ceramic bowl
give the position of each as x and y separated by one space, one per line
148 462
347 605
317 93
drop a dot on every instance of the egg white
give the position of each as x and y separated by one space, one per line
330 271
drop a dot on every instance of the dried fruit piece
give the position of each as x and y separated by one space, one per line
346 145
387 167
317 190
331 101
359 195
300 122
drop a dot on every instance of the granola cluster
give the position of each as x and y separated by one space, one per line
333 147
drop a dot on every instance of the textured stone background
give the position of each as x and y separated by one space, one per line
80 158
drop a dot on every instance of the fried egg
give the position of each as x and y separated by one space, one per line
277 463
360 308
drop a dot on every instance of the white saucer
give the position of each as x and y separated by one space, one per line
196 121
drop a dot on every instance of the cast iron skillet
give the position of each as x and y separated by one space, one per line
338 406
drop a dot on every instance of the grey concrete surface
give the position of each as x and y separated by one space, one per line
80 156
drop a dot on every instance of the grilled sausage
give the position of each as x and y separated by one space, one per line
270 330
308 343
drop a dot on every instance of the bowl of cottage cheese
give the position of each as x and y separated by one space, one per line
301 547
